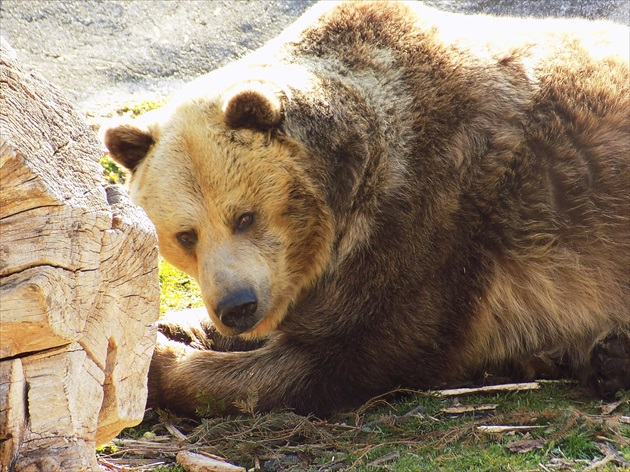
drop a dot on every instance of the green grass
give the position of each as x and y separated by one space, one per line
112 172
178 290
134 110
413 432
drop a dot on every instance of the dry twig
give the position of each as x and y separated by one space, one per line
461 409
514 387
506 428
392 456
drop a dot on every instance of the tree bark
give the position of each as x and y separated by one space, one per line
79 290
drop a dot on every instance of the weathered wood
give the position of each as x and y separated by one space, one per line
12 409
513 387
78 286
507 428
192 462
463 409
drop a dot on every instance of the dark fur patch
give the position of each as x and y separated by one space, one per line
128 145
253 108
610 361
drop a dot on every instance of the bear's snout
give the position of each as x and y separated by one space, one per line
237 310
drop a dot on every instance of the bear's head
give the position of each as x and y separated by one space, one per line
232 201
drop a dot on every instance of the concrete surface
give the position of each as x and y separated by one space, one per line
106 52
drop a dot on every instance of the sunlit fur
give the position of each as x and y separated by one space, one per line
436 196
201 177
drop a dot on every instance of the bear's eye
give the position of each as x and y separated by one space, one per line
244 221
187 238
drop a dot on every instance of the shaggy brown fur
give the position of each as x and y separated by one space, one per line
385 201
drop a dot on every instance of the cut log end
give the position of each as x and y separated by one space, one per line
78 286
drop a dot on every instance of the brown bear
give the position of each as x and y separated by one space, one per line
393 196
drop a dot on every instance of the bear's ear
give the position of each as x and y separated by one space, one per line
253 105
128 144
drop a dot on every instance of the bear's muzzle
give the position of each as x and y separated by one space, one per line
237 310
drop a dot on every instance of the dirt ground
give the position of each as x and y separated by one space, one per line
106 52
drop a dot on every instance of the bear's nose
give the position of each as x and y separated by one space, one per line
236 309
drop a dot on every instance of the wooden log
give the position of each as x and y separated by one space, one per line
79 290
12 409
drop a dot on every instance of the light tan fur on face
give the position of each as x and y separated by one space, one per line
201 177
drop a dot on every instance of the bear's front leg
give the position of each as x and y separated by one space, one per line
278 375
194 328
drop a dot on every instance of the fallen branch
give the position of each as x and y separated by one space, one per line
392 456
608 408
393 419
215 457
192 462
515 387
130 465
610 455
524 445
110 465
462 409
506 428
176 433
